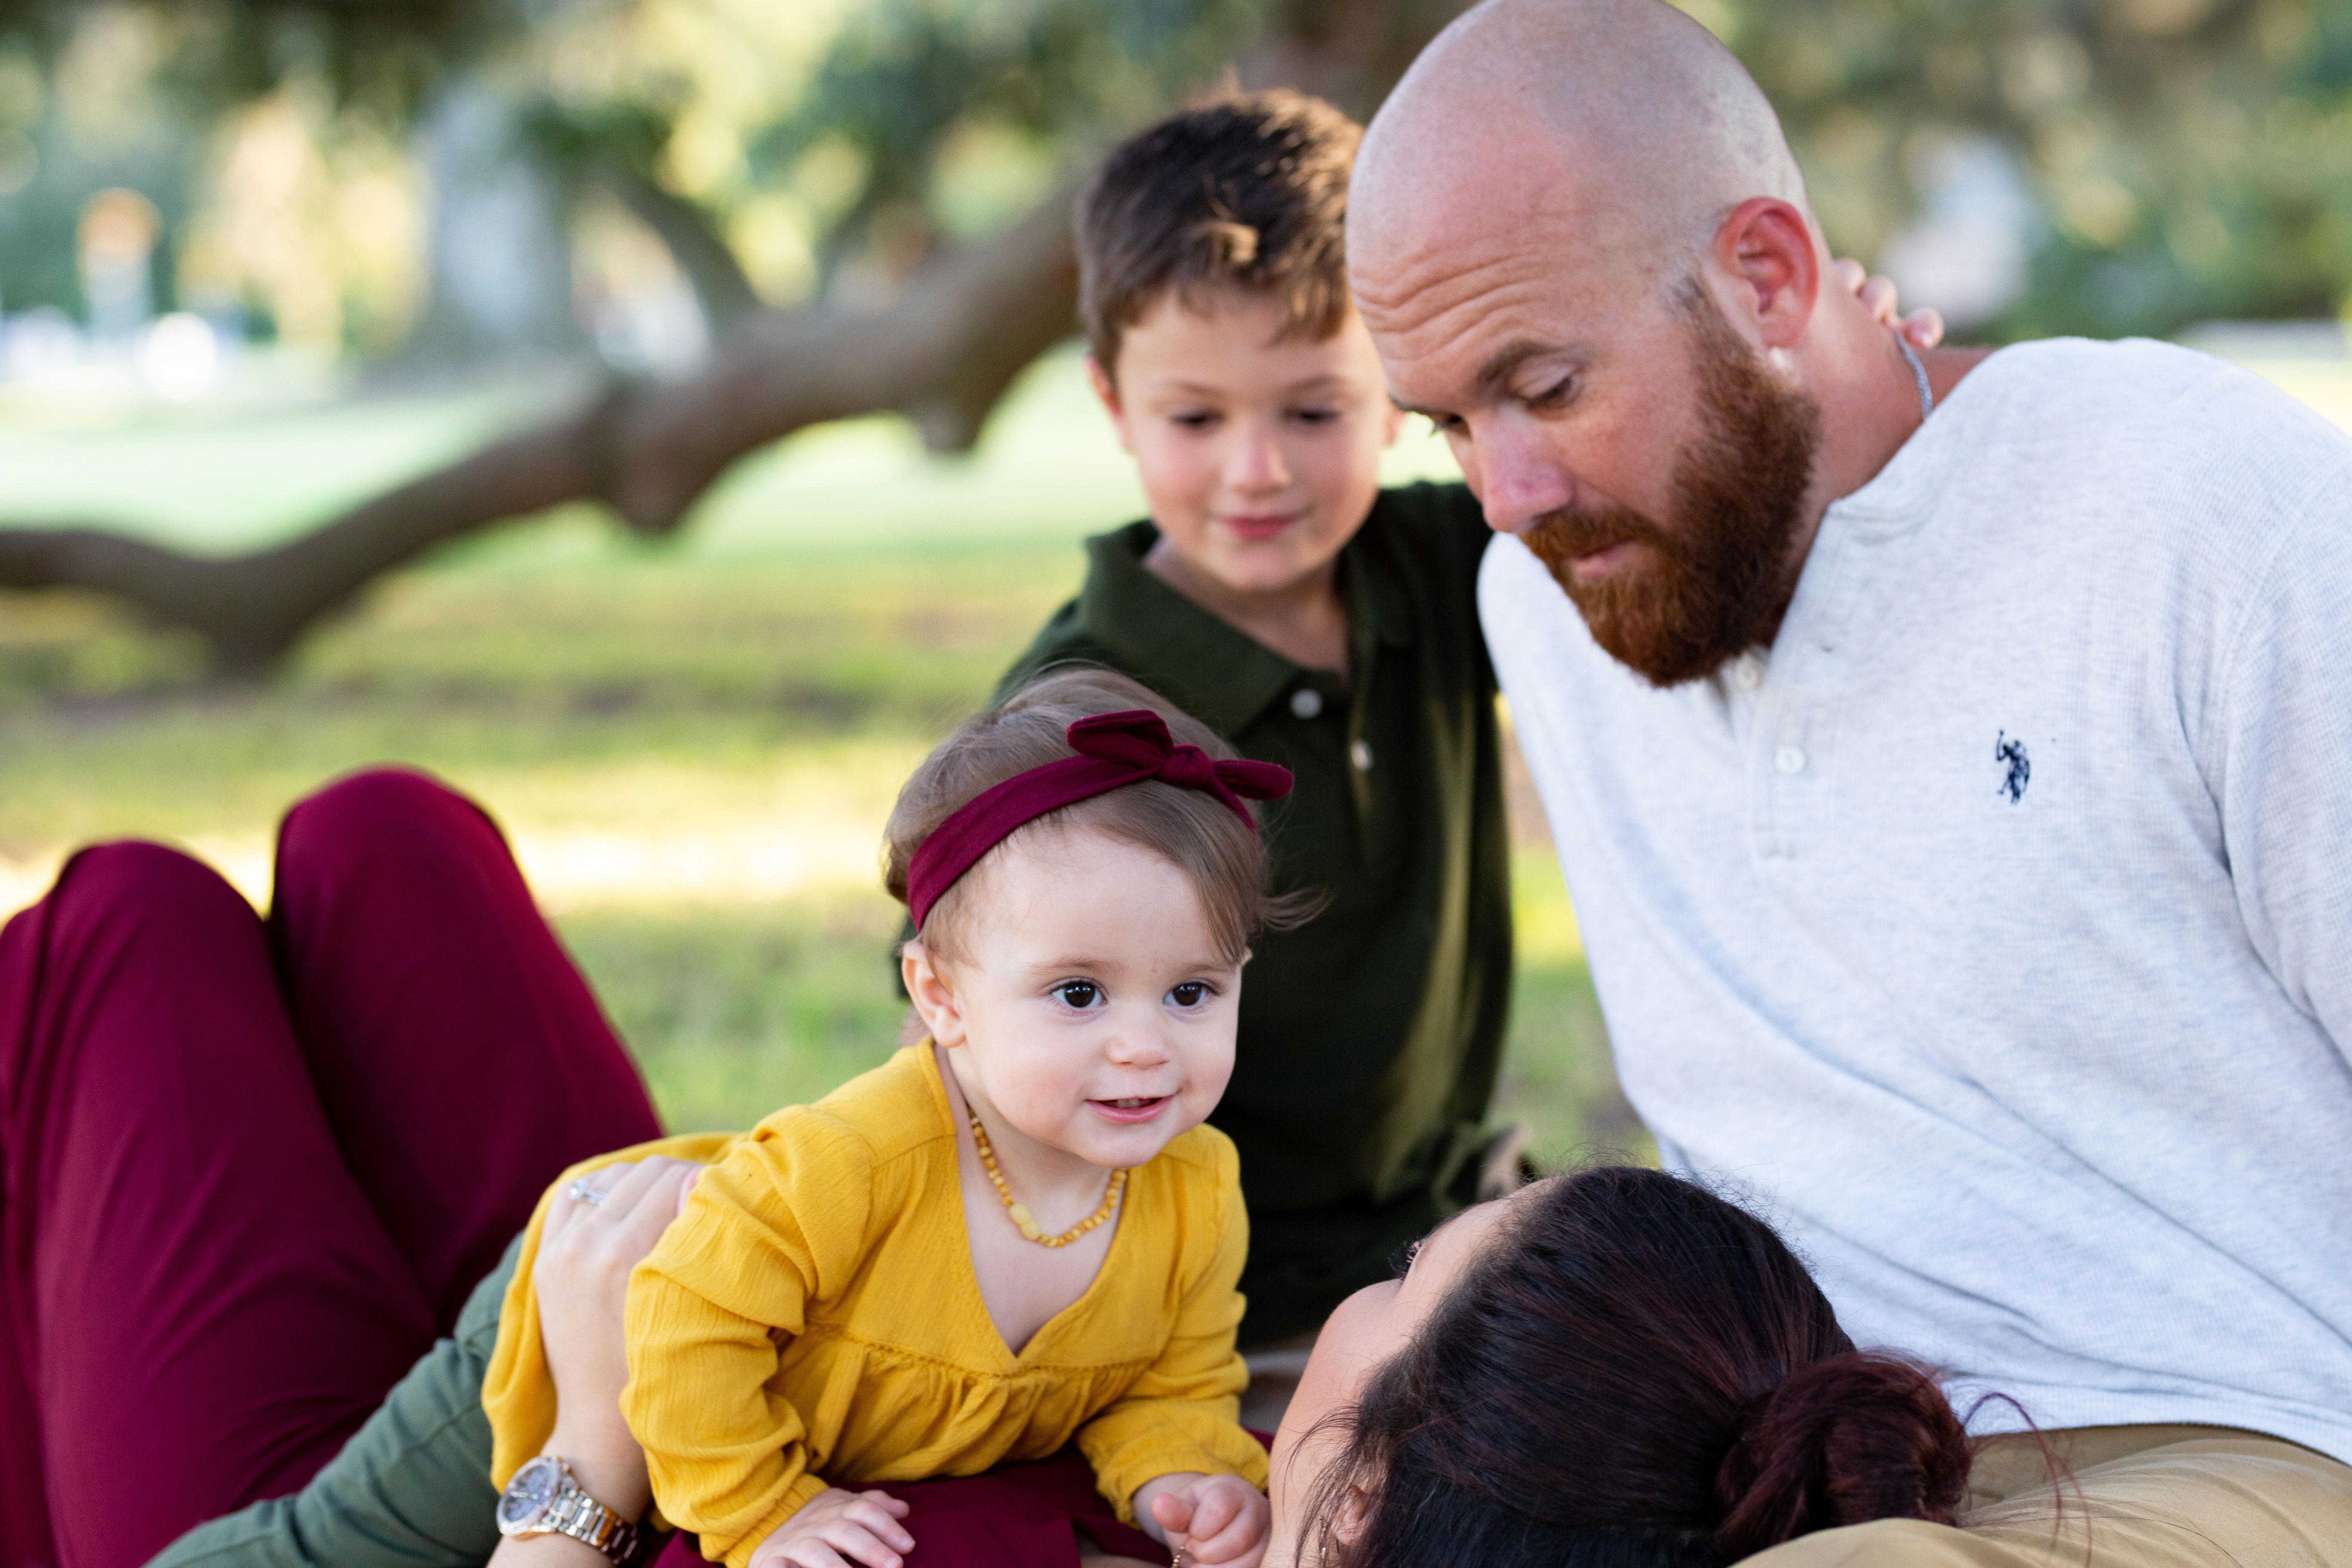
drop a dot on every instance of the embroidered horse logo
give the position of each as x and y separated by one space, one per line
2020 768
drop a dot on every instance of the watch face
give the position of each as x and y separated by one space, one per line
527 1495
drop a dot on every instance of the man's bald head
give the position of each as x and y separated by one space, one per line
1625 115
1581 247
1583 250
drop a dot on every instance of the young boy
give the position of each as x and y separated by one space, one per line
1323 623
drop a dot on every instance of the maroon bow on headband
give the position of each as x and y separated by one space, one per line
1115 750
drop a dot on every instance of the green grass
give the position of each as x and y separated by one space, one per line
693 748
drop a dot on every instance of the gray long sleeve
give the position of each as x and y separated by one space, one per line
410 1490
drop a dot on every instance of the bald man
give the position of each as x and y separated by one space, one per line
1950 758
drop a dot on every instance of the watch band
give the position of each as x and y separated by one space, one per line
531 1506
576 1514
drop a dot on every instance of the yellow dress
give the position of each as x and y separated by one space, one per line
813 1319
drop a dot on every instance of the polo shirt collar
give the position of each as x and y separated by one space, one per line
1170 642
1172 645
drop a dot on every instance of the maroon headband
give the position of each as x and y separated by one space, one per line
1115 750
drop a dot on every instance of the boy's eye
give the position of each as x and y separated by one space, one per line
1078 994
1197 419
1315 416
1190 994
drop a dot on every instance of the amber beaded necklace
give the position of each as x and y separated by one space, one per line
1026 1221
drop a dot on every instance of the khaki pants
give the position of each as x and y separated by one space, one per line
2134 1497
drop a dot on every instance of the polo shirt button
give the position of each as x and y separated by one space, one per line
1748 672
1307 702
1789 760
1360 753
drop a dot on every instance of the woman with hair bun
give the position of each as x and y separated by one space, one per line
1612 1368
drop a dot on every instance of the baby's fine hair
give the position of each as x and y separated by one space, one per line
1242 192
1191 829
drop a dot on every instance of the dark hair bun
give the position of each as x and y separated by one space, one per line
1845 1440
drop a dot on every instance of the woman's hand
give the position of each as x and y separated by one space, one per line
835 1528
1922 328
581 1277
1214 1520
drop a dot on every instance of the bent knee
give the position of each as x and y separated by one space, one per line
371 812
131 887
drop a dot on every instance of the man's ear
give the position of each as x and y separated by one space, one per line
1107 394
932 991
1765 249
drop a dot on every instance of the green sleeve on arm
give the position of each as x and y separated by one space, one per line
410 1490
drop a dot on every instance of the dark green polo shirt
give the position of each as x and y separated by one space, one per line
1370 1036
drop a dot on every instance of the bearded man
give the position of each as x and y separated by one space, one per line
1951 764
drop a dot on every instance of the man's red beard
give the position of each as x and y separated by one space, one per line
1717 582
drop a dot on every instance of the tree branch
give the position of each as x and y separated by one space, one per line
711 269
943 354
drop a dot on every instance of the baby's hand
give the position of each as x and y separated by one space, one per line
835 1528
1217 1519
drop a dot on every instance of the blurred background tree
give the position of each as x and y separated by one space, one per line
741 218
2153 162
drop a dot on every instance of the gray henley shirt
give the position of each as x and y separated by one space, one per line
1993 929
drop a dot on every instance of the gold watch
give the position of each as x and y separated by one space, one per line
545 1499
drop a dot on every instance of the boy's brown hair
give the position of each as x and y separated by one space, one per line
1191 830
1244 191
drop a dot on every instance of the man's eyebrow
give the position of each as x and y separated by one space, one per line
1509 357
1497 369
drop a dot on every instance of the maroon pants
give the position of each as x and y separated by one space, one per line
1014 1516
247 1171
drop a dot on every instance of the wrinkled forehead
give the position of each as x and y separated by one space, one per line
1473 253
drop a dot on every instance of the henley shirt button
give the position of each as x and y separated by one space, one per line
1747 672
1789 760
1360 753
1307 702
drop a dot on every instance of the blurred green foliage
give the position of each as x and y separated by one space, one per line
2189 158
2192 158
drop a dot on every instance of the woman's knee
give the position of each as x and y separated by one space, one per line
135 888
381 817
122 920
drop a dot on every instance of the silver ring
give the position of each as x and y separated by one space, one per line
582 1193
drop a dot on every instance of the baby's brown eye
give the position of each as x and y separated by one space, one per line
1080 993
1191 994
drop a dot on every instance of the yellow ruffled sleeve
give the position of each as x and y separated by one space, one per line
1183 1412
517 1394
781 1220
